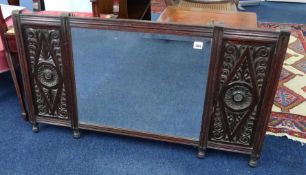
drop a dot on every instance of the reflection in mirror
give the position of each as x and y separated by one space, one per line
142 82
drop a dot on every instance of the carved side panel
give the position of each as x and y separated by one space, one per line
44 57
241 78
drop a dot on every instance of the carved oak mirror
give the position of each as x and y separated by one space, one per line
194 85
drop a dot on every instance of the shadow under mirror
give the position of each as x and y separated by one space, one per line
144 82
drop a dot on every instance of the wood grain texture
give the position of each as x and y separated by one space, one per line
197 16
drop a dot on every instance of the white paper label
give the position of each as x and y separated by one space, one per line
198 45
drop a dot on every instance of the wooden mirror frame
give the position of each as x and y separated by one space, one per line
265 70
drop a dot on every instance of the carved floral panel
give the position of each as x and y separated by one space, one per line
241 79
44 57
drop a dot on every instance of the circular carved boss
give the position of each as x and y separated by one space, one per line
238 96
47 75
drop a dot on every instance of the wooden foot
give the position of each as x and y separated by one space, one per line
35 128
24 116
201 153
76 134
253 160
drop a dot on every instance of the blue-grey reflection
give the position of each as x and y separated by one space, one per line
145 82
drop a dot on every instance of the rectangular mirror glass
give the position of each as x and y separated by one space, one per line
146 82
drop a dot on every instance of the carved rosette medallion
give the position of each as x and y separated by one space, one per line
241 79
46 72
238 97
47 75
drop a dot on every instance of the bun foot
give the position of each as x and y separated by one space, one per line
201 154
35 128
252 163
76 134
253 160
24 116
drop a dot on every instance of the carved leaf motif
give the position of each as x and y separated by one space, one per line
241 79
233 120
45 61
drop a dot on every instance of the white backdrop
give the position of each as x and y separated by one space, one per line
7 10
68 5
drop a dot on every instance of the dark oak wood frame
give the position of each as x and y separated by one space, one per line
275 42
